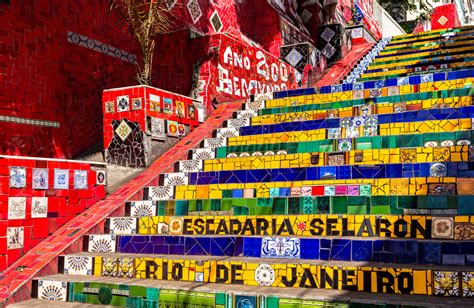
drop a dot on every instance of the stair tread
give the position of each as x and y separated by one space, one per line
297 293
53 304
269 260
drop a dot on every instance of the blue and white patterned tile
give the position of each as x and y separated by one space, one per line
80 179
61 179
280 247
17 177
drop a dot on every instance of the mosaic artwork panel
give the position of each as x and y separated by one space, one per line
40 178
52 290
61 179
16 207
17 177
39 207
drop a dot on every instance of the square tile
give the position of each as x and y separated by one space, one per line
176 179
52 290
123 225
143 208
40 178
176 225
329 190
467 284
123 130
109 107
280 247
17 177
77 265
16 207
442 227
446 283
39 207
102 243
15 237
61 179
123 103
159 193
80 179
136 103
365 190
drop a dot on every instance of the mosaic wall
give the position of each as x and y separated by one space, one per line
39 196
135 116
41 118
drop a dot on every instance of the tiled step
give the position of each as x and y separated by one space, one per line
44 303
370 187
426 87
219 294
413 279
340 89
360 143
388 226
440 200
357 249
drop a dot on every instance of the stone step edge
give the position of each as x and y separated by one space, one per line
290 293
265 260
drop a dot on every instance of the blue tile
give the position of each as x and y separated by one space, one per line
362 250
429 253
309 249
449 259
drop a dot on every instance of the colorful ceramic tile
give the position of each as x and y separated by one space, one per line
352 132
39 207
446 283
109 107
123 103
213 143
227 132
399 107
136 103
467 284
463 231
123 225
168 106
61 179
176 225
40 178
159 193
341 190
438 170
329 190
123 130
155 102
181 129
194 10
80 179
172 128
180 109
264 275
442 227
100 177
158 128
334 133
77 265
306 191
280 247
16 207
344 145
190 165
102 243
353 190
295 191
52 290
15 237
143 208
203 154
192 112
365 190
176 179
17 177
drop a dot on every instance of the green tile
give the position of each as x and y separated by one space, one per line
279 206
380 209
339 205
357 209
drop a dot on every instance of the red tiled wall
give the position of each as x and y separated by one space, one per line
63 204
140 115
444 17
42 76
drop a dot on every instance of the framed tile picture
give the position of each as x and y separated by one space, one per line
40 178
61 179
17 177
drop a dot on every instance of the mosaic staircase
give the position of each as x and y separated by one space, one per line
355 194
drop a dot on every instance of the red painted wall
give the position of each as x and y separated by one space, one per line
43 76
